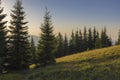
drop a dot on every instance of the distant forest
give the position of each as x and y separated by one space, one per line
17 52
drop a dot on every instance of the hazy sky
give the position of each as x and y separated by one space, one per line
71 14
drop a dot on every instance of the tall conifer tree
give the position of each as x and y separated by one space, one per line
80 41
46 43
72 43
33 50
77 42
85 39
94 36
118 41
3 34
98 41
19 44
65 45
90 39
105 40
59 47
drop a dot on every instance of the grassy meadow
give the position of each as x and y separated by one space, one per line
99 64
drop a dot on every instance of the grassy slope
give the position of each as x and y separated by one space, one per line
100 64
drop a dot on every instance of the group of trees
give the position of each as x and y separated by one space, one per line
17 52
79 42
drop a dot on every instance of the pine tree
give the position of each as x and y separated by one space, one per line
46 43
72 43
80 41
59 50
97 41
77 42
90 39
94 36
19 44
85 38
3 34
65 45
105 40
33 50
118 41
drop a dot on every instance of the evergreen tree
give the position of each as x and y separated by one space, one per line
59 50
118 41
77 42
105 40
80 42
72 43
94 36
85 38
33 51
3 34
90 39
65 46
46 43
97 41
18 43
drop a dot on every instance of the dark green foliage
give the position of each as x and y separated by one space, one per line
118 41
33 50
72 43
76 42
3 35
46 44
80 42
85 40
94 36
65 46
105 40
18 42
97 41
90 40
59 47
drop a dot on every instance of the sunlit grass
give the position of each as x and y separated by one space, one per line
100 64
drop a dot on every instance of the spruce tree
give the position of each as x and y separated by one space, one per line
85 40
33 50
59 47
19 44
65 45
46 44
90 39
80 41
94 36
3 34
77 42
105 40
72 43
118 41
97 41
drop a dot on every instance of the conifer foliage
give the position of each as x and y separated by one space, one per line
88 40
3 35
59 47
18 43
33 51
118 41
46 45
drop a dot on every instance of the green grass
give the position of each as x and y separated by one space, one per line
100 64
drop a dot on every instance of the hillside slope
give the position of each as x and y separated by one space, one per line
100 64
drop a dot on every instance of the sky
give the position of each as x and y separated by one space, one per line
68 15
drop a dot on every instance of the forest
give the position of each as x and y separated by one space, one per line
17 52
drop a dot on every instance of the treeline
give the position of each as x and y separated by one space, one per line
79 42
17 52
